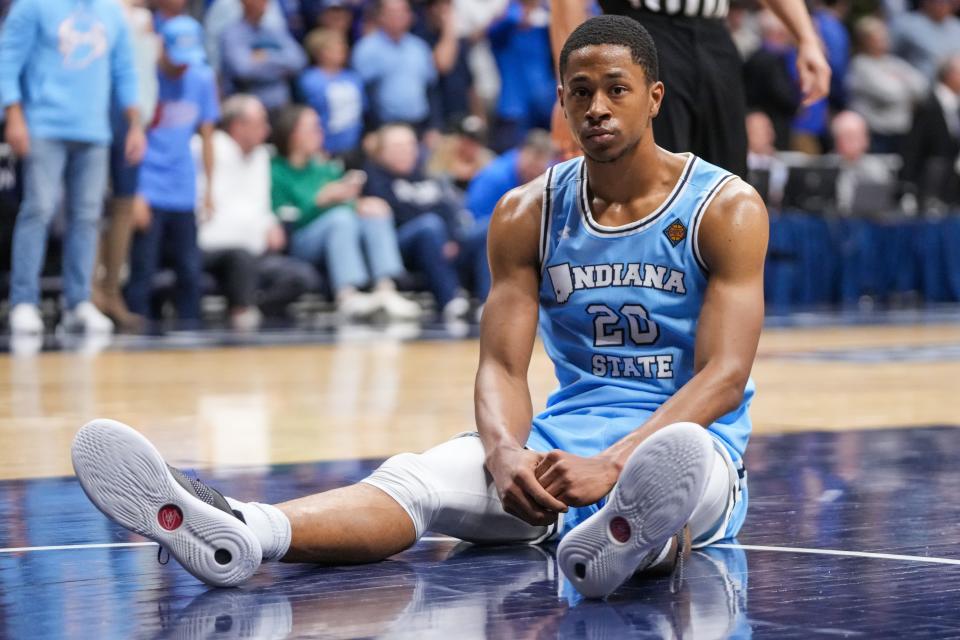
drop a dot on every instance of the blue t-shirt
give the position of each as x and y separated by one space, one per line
339 100
168 176
488 186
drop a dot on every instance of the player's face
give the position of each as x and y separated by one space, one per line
608 101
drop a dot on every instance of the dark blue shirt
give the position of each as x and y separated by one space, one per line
488 186
522 53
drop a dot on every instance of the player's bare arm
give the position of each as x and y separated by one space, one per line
733 243
501 396
811 63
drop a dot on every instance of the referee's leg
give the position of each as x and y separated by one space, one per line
721 134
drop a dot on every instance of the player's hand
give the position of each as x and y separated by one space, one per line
814 72
521 494
575 480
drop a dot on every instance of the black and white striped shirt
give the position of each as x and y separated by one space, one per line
689 8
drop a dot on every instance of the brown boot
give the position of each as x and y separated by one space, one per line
112 257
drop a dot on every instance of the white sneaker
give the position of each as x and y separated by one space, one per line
86 318
656 494
398 307
357 305
25 319
456 309
247 320
127 479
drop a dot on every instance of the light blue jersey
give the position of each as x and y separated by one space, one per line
619 309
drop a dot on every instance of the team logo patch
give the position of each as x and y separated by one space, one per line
676 232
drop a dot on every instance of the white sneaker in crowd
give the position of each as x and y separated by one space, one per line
247 320
357 305
398 307
456 309
25 319
86 318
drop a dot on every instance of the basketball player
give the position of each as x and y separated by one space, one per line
704 110
645 270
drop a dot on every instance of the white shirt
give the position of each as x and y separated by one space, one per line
242 215
950 103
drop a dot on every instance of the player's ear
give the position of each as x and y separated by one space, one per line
656 97
560 99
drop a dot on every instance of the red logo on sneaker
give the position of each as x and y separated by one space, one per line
620 529
170 517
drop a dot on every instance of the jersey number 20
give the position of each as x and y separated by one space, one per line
608 328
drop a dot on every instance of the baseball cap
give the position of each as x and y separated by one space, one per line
183 40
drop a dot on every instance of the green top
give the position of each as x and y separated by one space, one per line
297 188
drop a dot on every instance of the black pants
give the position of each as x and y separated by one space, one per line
171 238
271 281
704 108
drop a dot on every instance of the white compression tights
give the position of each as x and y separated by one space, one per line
447 490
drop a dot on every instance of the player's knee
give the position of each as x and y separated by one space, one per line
406 479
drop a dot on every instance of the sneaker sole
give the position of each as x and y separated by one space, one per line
127 480
656 494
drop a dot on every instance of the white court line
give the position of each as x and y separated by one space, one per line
722 545
838 552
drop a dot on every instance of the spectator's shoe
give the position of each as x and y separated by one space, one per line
396 306
456 309
658 490
127 479
25 319
86 318
249 319
357 306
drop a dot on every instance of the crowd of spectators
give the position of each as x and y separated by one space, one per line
353 149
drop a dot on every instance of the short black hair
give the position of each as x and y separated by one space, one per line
615 30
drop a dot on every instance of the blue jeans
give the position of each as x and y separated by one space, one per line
421 244
338 240
51 164
171 238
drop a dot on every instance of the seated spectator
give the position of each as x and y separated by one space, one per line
520 42
333 225
223 13
459 156
434 238
334 92
883 88
187 103
397 67
453 96
930 154
57 103
260 58
768 80
241 239
509 171
766 172
862 176
925 37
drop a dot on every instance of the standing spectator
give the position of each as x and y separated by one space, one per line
397 67
60 61
241 239
433 238
115 238
927 36
328 231
224 13
512 169
334 92
187 103
767 77
260 58
520 41
931 151
883 88
453 96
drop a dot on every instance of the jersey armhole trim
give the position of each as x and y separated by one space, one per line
546 218
698 218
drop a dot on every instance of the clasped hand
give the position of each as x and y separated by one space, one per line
535 486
